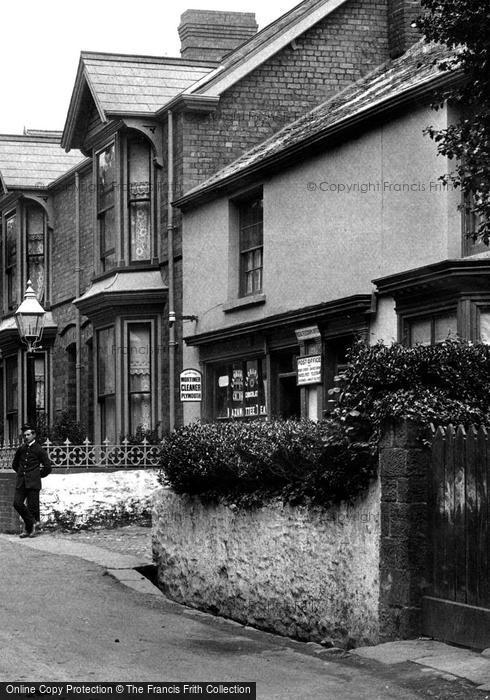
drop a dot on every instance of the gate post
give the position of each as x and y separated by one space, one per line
404 467
10 522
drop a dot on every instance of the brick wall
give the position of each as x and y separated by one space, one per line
404 467
328 57
9 520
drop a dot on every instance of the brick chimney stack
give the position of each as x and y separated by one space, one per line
208 35
401 15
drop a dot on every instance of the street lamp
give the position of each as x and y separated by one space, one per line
29 318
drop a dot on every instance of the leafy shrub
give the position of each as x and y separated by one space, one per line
249 462
438 384
151 436
66 427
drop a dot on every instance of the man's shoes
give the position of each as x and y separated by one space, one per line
29 533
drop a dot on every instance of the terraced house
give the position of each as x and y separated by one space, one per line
88 216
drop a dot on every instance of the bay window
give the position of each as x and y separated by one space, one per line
125 210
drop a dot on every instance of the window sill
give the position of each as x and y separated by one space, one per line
243 302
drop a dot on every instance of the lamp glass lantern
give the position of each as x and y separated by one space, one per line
29 318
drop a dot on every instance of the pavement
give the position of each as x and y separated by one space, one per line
94 614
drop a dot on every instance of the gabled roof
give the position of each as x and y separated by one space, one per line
123 85
263 45
33 160
414 74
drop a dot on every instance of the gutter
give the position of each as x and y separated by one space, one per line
171 285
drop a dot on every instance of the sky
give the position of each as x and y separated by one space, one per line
41 44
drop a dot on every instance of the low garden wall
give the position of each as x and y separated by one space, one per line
306 573
78 500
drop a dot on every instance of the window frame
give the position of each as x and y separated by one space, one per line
128 393
244 271
102 397
103 253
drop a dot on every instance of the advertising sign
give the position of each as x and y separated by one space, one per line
190 385
309 370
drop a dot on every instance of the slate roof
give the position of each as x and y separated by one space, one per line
34 159
138 84
417 70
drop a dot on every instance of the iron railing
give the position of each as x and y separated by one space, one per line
107 455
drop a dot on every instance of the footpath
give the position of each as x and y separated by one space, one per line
405 670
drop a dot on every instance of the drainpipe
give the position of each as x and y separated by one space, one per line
78 365
171 291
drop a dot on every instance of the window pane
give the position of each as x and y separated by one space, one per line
107 230
221 392
485 327
237 390
105 178
420 332
11 261
108 418
139 357
139 369
445 327
140 215
140 412
106 361
35 222
139 168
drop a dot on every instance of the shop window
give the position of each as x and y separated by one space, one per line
139 376
106 382
11 268
106 207
250 223
11 403
240 389
432 329
139 198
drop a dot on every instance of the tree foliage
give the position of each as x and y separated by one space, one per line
464 27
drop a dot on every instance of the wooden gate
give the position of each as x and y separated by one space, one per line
457 608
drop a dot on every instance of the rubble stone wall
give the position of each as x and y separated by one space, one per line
77 500
307 573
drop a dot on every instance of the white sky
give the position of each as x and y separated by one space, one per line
41 43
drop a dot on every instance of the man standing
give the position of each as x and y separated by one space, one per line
31 464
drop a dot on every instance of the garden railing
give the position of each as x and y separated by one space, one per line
106 455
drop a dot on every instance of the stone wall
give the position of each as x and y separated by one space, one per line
78 500
404 466
309 574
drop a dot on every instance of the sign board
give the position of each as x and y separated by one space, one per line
309 370
309 333
190 385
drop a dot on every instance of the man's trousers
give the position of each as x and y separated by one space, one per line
26 503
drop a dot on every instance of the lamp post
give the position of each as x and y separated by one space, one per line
29 318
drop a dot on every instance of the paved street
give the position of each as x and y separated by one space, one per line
63 618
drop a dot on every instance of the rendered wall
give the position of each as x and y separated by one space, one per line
310 574
324 237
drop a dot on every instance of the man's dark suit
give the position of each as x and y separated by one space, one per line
31 464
